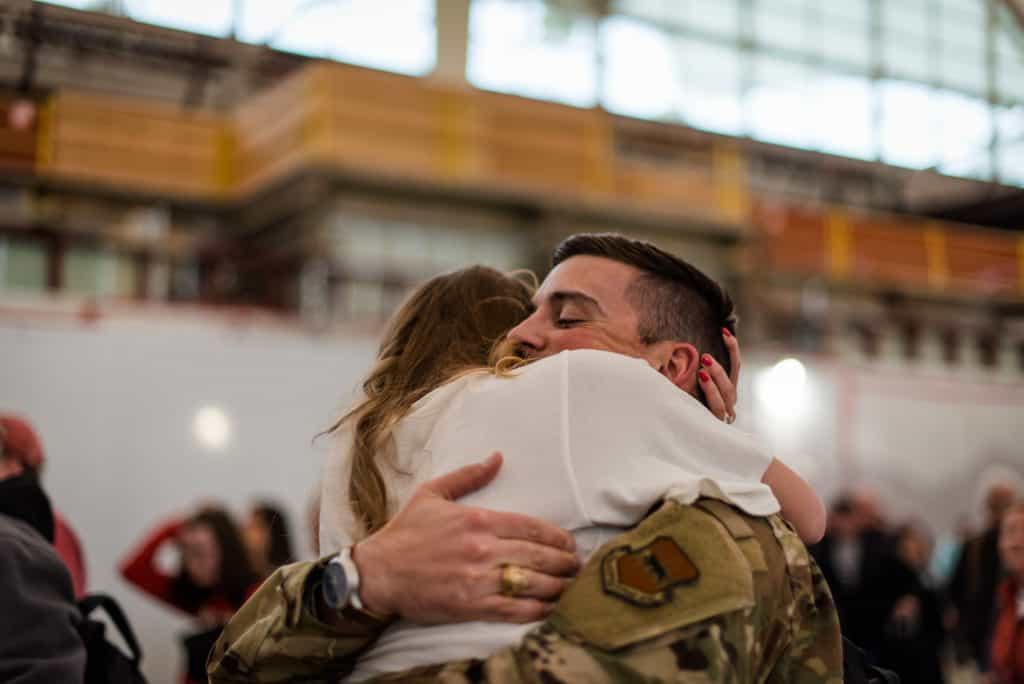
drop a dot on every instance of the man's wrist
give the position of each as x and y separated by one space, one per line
373 591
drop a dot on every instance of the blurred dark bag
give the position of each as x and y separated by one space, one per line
106 663
856 669
197 649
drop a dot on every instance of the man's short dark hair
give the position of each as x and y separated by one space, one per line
674 300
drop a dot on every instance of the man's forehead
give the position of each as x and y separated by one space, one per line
596 277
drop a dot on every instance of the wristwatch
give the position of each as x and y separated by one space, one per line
340 584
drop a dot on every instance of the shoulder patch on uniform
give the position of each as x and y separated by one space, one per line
645 576
679 566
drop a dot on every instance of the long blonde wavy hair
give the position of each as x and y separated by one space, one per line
450 325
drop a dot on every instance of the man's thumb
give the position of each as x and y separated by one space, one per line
466 479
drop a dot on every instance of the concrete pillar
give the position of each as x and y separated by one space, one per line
452 17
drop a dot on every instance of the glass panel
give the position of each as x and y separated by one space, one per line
1010 153
967 122
844 115
1011 164
906 17
209 17
1010 66
82 271
962 55
907 57
525 48
962 69
126 277
22 265
398 36
779 105
642 70
908 130
906 34
781 25
710 91
718 17
846 39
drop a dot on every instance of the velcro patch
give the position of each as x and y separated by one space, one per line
645 576
677 567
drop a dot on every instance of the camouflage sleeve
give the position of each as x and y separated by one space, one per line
275 636
683 597
687 595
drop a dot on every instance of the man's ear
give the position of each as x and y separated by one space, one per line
680 365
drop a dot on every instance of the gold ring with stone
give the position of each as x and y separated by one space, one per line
513 580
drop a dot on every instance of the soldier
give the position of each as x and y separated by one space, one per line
698 593
696 588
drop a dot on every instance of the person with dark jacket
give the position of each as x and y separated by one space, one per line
856 558
39 638
972 590
913 635
1007 651
214 579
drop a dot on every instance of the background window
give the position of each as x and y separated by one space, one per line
398 35
210 17
908 131
528 47
642 70
23 265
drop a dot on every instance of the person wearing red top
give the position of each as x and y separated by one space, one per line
1008 637
213 580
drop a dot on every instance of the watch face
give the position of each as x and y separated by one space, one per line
335 586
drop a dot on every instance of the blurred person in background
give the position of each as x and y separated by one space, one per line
39 640
972 591
1007 652
213 580
23 444
913 636
856 558
267 539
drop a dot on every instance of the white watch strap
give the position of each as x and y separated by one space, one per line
352 575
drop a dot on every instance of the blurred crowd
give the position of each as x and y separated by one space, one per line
219 560
947 614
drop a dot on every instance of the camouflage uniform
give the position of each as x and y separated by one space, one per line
697 593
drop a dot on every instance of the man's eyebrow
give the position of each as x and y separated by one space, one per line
575 296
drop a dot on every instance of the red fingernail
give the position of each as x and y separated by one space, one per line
706 360
725 331
704 377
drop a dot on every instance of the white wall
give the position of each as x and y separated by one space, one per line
929 440
114 404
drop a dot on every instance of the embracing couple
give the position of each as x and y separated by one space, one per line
630 535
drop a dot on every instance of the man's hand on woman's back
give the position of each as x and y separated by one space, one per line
440 562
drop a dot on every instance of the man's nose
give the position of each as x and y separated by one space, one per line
528 333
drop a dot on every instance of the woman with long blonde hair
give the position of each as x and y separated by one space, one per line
436 399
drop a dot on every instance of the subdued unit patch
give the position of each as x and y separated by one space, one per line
645 576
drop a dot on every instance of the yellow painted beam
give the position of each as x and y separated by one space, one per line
937 256
729 175
454 148
840 240
1020 264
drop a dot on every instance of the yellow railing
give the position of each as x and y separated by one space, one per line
344 119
